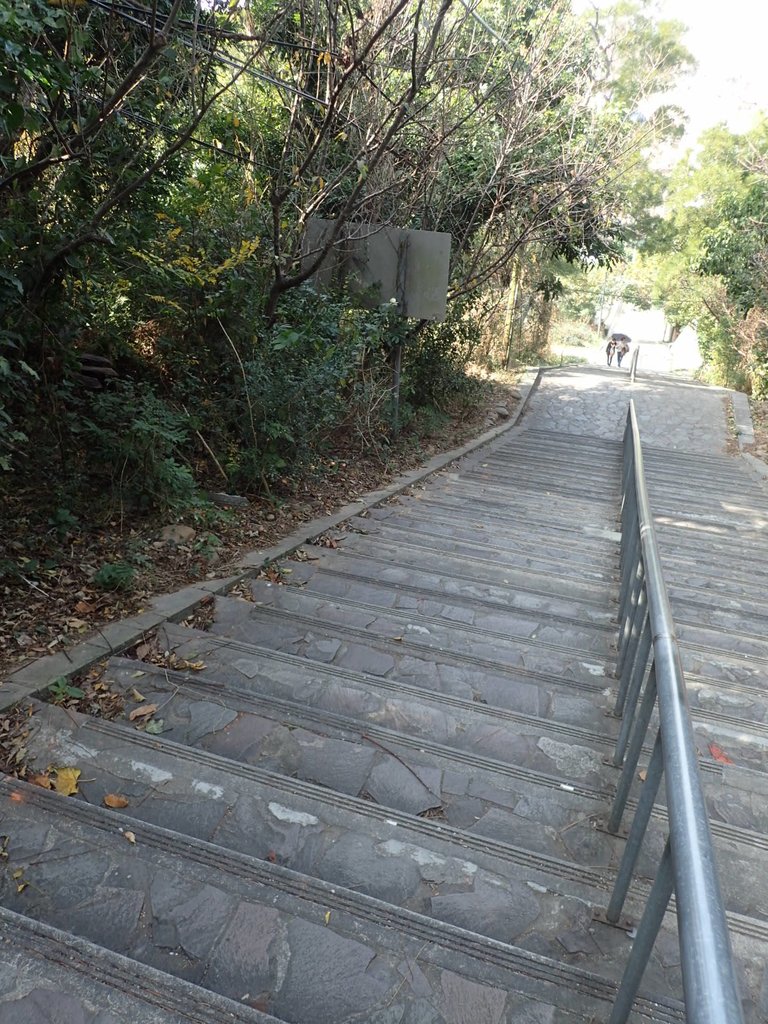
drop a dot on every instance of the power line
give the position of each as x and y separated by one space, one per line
242 67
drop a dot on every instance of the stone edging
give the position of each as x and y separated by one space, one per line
118 636
742 417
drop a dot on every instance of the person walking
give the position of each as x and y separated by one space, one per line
622 347
610 348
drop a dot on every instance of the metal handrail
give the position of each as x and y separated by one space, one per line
633 364
648 653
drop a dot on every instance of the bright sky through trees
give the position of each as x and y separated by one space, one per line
729 43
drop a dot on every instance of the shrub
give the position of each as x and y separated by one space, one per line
144 442
114 576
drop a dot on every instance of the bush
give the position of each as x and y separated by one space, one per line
144 442
114 576
435 362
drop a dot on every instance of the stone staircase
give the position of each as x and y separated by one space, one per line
377 790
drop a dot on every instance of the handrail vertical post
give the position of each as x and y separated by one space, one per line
637 831
642 722
647 931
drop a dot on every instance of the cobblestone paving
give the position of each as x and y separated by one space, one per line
675 415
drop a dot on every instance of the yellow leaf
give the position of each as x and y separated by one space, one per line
327 916
236 121
21 886
130 836
138 697
66 781
18 872
115 801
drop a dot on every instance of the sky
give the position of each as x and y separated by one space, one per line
729 39
730 42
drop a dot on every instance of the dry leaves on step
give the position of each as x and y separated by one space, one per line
144 711
65 782
719 754
115 801
130 836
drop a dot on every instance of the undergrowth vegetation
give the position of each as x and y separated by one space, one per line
163 331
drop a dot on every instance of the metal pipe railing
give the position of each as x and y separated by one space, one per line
648 653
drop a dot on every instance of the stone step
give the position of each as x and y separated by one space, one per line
361 749
681 545
340 839
693 604
714 509
736 585
516 474
408 657
336 573
252 929
721 641
592 446
511 637
460 568
415 533
422 866
450 706
511 527
48 976
449 712
384 642
490 488
537 453
729 476
543 802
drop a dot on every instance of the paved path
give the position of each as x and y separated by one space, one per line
676 415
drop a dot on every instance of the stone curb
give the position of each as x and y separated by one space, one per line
742 416
118 636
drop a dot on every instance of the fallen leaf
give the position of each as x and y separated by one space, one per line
719 754
155 727
77 624
327 916
65 782
41 780
21 886
138 697
272 857
143 650
196 666
115 801
142 712
642 775
130 836
83 608
18 873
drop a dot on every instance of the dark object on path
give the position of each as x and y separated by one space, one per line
610 348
